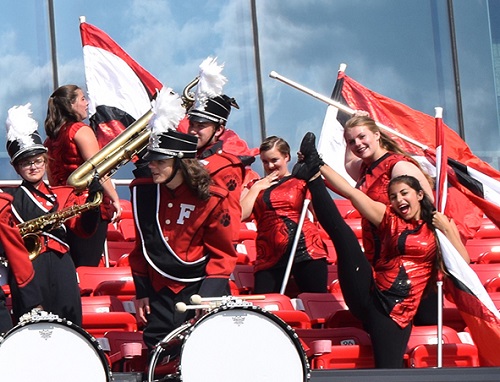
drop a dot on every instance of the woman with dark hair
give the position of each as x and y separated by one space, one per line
276 202
184 233
70 143
384 296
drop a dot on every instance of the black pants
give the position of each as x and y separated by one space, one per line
163 317
310 276
56 275
5 318
389 340
88 251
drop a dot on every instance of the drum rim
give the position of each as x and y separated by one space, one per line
64 322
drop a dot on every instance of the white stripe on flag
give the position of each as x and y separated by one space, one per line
491 186
331 144
112 82
458 267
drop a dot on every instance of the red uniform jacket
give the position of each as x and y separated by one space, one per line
227 171
16 254
181 238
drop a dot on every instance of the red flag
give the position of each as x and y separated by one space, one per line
409 122
119 89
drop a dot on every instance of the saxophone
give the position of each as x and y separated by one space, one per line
31 230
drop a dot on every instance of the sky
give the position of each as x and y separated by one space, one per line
399 48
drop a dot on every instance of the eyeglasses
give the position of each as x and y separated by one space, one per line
37 163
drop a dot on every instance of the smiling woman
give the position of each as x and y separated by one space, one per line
384 295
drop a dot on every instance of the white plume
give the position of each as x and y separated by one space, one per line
167 111
210 84
20 124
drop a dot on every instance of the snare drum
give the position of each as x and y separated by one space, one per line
51 350
234 344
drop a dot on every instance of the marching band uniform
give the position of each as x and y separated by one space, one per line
226 170
55 271
184 242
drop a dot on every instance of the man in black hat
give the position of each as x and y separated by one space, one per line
184 227
228 171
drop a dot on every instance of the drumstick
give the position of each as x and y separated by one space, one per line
183 307
197 299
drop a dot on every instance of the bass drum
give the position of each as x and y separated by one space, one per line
232 344
52 351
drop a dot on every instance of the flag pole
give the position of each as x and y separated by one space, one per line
441 161
294 245
344 108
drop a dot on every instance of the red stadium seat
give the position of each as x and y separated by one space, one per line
492 285
116 249
344 206
476 247
248 231
90 277
101 304
453 355
486 272
488 257
121 362
243 276
247 251
113 233
98 324
127 228
345 357
346 336
274 301
124 290
355 225
427 335
487 230
320 306
281 306
126 209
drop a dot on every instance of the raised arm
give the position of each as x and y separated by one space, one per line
372 210
408 168
248 198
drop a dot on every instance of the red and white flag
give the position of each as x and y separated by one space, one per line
462 283
469 171
119 89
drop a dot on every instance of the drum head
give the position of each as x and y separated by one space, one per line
242 345
50 351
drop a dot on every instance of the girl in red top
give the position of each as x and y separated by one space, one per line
276 202
70 143
385 296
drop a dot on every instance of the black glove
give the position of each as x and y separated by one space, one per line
90 219
95 186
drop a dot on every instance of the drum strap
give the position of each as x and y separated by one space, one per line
155 248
